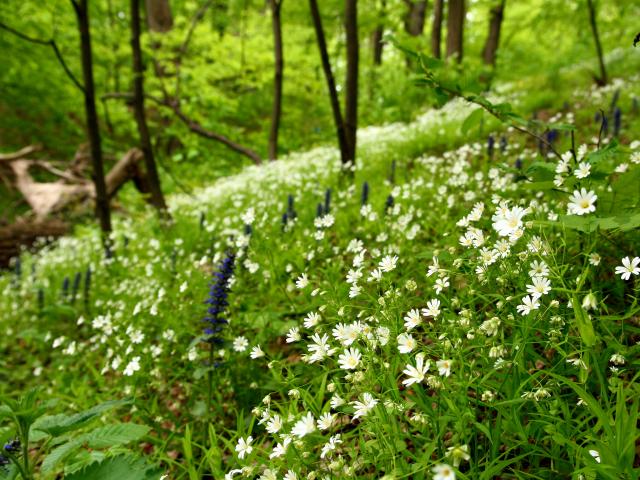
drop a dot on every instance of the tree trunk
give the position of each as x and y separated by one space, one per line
159 16
493 39
278 77
376 36
157 198
436 30
102 199
351 93
331 83
415 17
455 29
602 80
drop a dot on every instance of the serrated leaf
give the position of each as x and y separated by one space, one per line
117 468
59 454
56 425
114 435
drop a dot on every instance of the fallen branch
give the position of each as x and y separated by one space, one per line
45 198
22 153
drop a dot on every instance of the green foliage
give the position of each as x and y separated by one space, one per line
83 452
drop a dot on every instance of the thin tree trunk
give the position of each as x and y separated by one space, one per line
376 36
351 93
157 198
331 83
415 17
278 78
455 29
596 38
436 30
159 16
102 200
493 38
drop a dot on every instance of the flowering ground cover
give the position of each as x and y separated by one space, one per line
453 306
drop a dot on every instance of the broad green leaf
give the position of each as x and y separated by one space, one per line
56 425
472 121
113 435
117 468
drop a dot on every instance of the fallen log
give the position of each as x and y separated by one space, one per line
25 234
45 198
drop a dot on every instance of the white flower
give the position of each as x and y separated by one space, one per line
302 281
441 284
350 359
281 448
244 446
528 304
256 352
304 426
325 421
388 263
582 202
330 446
354 291
406 343
490 327
595 454
433 308
274 424
583 170
336 401
538 269
412 319
293 335
320 348
132 367
507 221
540 286
240 344
629 267
444 367
434 267
458 454
312 319
249 216
365 406
594 259
443 472
290 475
416 374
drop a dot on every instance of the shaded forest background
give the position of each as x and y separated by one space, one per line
216 58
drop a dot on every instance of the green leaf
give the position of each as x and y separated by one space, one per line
117 468
472 121
56 425
583 322
114 435
59 454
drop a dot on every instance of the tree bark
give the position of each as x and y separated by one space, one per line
331 83
102 200
602 80
415 17
436 29
159 16
277 79
351 93
157 198
376 36
493 38
455 29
